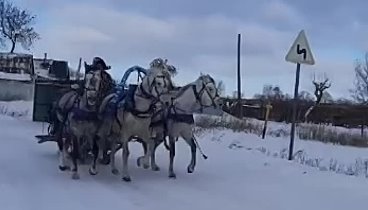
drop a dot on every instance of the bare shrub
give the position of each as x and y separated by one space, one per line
328 135
312 132
210 122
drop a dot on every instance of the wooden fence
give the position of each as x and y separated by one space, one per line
335 114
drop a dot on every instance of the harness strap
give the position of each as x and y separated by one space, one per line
144 92
198 97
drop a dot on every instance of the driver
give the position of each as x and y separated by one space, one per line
107 82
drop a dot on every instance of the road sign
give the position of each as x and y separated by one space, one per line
300 51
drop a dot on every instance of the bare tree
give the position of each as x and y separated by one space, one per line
320 87
360 92
15 25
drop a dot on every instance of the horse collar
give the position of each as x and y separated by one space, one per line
145 93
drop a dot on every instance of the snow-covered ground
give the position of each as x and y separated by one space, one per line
242 172
18 109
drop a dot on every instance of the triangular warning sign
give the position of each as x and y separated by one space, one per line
300 51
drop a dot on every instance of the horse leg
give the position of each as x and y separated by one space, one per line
104 141
83 151
144 145
102 150
145 159
75 150
95 150
105 160
172 155
153 160
114 170
193 149
62 152
125 154
154 166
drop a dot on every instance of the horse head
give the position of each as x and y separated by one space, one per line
158 78
92 86
162 64
207 92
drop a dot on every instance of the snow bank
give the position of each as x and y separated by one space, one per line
314 132
323 156
18 109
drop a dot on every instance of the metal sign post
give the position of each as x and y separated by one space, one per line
299 53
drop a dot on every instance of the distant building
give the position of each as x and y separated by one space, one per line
50 69
16 67
18 73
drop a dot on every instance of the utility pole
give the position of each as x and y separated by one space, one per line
239 81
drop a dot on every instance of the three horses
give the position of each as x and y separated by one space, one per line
155 110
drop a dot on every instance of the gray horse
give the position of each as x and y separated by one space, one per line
81 122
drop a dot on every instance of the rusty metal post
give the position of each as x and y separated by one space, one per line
268 109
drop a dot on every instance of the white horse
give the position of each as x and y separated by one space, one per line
133 121
177 121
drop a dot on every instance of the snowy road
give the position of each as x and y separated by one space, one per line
229 179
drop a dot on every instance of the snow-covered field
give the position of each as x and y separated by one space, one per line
242 172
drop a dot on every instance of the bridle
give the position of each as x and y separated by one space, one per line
198 96
204 90
147 94
95 87
152 87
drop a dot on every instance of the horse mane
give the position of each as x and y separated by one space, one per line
186 87
154 70
183 89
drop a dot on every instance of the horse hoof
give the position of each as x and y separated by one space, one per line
64 168
127 179
115 171
105 161
190 170
146 166
92 172
172 176
82 161
75 176
155 168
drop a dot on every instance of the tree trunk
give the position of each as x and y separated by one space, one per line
306 115
13 47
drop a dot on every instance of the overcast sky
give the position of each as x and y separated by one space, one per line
201 36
